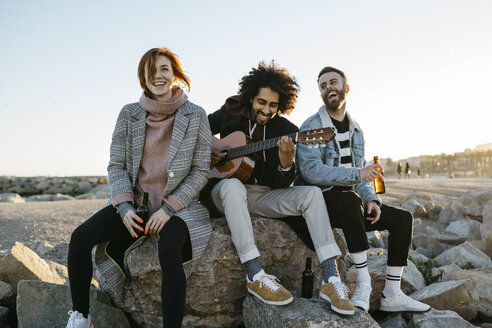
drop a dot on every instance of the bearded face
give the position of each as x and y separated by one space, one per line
332 89
333 98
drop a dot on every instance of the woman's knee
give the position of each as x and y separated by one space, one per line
80 238
172 238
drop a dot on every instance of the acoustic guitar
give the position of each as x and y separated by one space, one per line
240 161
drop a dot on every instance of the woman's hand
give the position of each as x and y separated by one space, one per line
129 222
157 221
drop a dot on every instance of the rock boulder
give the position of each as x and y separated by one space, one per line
217 286
301 313
11 198
465 256
472 203
439 319
460 296
24 264
483 283
42 302
465 228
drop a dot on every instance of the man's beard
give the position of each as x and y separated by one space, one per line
255 118
336 104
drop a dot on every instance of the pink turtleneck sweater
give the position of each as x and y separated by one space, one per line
152 174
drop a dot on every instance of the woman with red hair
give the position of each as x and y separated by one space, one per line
160 146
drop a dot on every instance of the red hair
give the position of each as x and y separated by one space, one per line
148 61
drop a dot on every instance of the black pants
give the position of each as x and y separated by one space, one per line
346 211
106 225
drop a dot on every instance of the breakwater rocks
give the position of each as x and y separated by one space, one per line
28 189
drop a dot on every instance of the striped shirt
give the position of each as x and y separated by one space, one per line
343 137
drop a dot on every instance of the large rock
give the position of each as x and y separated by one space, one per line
446 271
98 192
472 203
217 286
483 283
411 279
439 319
83 187
416 208
41 304
449 214
11 198
101 191
23 264
486 227
465 228
434 211
436 242
301 313
465 256
460 296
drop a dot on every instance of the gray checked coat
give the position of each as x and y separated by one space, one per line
188 168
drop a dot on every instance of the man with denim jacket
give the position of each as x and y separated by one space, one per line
340 170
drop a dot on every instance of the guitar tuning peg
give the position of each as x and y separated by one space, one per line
323 145
316 145
310 146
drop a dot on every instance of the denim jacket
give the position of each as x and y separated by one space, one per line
320 166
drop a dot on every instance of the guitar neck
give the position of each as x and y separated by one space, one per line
257 147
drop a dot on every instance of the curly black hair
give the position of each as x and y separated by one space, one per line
270 76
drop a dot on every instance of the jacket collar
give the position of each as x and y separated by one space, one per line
327 122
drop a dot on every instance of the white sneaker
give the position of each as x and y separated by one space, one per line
362 296
77 320
402 303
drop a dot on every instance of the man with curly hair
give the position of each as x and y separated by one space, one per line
266 93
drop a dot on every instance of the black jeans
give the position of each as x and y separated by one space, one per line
106 225
346 211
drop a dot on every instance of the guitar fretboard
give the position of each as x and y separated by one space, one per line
256 147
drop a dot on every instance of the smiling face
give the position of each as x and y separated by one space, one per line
264 105
161 83
333 90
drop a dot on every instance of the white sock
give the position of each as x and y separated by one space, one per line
360 262
393 280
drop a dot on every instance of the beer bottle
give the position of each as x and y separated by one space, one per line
307 280
143 212
379 187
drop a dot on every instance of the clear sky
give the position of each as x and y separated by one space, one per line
419 71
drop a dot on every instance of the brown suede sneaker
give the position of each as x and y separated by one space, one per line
336 293
268 290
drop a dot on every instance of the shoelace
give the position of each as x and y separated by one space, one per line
341 289
72 318
269 281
